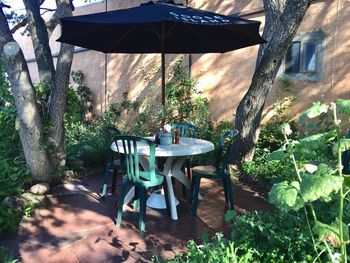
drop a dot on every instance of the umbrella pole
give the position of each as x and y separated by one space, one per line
163 88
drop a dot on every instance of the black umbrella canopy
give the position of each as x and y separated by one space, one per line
160 27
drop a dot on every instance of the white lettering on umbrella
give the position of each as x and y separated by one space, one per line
201 19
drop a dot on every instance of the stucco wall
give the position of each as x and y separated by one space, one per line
223 77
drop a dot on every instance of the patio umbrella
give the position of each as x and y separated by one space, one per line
160 27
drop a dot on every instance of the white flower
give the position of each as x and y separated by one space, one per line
332 105
336 257
286 130
310 168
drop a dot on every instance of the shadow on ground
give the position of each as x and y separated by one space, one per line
73 224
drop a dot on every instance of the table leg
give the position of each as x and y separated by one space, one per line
179 175
177 171
168 173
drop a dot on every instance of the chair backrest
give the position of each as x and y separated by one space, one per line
186 129
130 146
110 133
225 150
346 158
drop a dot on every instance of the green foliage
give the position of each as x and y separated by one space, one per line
314 187
84 97
316 110
9 220
72 113
284 196
5 257
86 142
272 237
217 250
325 232
343 106
272 167
319 183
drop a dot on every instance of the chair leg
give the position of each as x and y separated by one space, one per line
121 203
229 193
166 195
143 197
114 180
105 183
224 184
197 180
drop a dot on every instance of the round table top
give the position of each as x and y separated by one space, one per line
187 147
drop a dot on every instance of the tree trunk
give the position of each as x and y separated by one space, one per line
283 21
59 91
42 154
30 125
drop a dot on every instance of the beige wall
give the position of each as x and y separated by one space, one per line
223 77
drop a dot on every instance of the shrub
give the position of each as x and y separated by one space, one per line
218 249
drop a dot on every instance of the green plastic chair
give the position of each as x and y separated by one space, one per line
114 161
186 130
219 171
142 180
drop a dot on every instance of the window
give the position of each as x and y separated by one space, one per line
304 57
293 58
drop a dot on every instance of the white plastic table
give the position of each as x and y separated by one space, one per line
176 155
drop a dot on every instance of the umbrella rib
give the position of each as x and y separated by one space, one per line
122 37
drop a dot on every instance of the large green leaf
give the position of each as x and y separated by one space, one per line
324 169
315 140
326 232
285 196
343 106
278 155
346 180
344 146
316 110
314 187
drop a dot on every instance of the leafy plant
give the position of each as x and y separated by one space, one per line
218 249
84 95
9 220
5 257
272 237
317 183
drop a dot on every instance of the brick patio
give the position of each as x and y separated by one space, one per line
73 224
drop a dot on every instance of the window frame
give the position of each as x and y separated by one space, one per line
316 37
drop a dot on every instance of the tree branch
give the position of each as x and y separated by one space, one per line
40 41
19 25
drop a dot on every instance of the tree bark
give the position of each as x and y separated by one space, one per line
283 20
59 91
30 125
40 156
40 41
